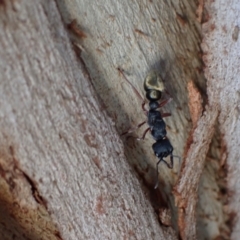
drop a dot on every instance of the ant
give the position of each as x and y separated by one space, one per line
153 86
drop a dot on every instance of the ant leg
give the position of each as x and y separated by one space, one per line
169 95
166 114
143 107
135 90
163 103
133 129
171 161
156 184
171 164
143 136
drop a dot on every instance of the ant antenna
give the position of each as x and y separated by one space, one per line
134 89
169 166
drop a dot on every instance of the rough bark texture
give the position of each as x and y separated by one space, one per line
61 157
59 150
221 48
138 37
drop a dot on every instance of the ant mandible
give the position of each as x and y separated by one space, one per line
153 86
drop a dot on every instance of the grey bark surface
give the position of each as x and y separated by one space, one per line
221 47
59 149
63 169
139 37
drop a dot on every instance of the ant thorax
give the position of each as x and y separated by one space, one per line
153 105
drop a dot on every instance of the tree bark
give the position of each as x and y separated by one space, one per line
63 169
221 48
60 152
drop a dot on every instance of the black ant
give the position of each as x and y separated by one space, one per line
153 85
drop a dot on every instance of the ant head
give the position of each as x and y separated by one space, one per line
153 82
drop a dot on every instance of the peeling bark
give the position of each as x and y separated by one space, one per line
186 189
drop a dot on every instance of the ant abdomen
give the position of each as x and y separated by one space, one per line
153 85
